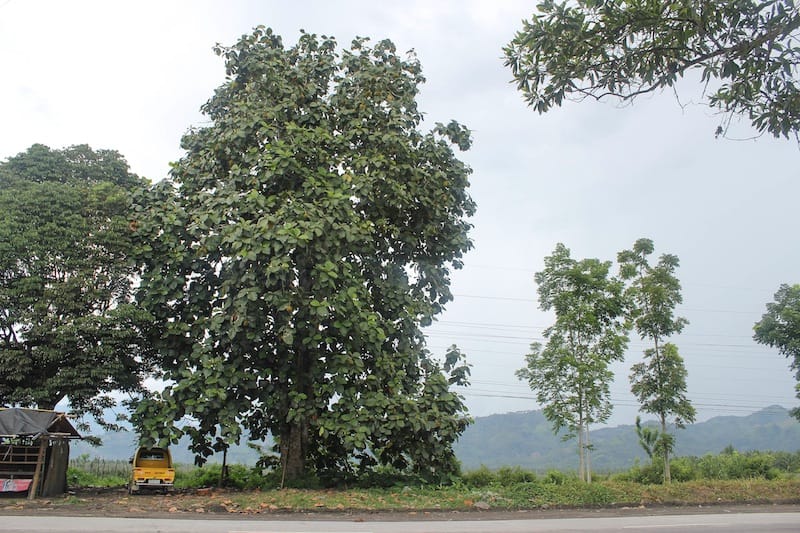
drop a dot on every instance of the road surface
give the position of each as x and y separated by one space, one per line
729 522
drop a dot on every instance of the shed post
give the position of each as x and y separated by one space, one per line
37 474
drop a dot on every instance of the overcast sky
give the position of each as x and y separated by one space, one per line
131 76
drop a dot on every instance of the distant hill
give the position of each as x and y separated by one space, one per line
525 439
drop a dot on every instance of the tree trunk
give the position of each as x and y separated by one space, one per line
588 456
294 440
581 451
294 448
667 474
223 473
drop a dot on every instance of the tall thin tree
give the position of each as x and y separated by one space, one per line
571 375
659 381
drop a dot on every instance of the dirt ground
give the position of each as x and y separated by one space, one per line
218 504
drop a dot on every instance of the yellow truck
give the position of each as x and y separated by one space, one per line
152 469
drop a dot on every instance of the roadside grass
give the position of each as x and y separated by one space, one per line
728 478
526 495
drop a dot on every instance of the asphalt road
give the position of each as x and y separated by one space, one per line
729 522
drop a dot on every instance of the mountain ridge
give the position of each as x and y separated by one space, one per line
525 439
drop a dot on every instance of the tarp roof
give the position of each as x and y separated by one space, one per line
19 422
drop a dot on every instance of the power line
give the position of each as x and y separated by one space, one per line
533 300
770 290
503 327
621 402
710 348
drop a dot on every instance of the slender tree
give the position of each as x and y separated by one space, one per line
745 52
570 374
68 327
294 254
659 382
779 327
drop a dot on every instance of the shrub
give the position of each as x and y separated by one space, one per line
239 477
507 476
481 477
681 469
556 477
788 462
648 474
738 466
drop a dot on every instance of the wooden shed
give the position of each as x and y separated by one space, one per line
34 451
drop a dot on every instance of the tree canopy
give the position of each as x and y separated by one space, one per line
294 254
779 327
68 328
746 53
570 374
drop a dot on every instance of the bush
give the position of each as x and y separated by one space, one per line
507 476
788 462
481 477
683 469
734 465
239 477
680 468
556 477
648 474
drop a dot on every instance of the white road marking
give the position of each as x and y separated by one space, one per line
657 526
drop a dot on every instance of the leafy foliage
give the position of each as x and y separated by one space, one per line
571 374
648 437
779 327
68 328
293 256
683 469
745 50
735 465
660 385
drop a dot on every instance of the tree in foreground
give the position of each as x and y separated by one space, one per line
659 381
68 328
779 328
291 259
570 374
746 52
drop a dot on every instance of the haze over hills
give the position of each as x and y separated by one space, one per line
525 439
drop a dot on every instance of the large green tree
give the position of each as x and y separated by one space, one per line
68 329
779 327
745 51
659 381
570 374
294 254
